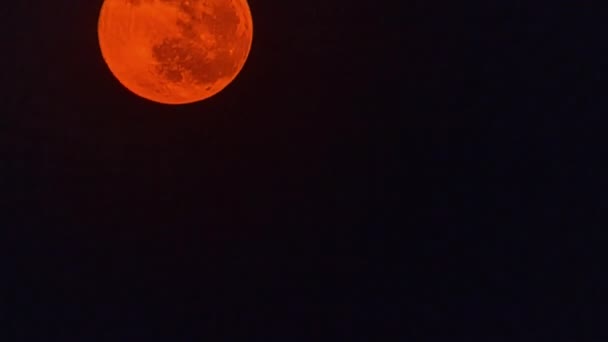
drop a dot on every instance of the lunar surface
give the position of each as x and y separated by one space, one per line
175 51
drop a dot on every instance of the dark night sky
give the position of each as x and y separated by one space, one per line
422 169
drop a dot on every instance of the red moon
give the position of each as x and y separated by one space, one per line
175 51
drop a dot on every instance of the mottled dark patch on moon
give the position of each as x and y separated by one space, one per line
190 54
223 21
180 57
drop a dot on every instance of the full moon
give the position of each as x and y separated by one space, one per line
175 51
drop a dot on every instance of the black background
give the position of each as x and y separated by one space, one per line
412 171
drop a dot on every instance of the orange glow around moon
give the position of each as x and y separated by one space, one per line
175 51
